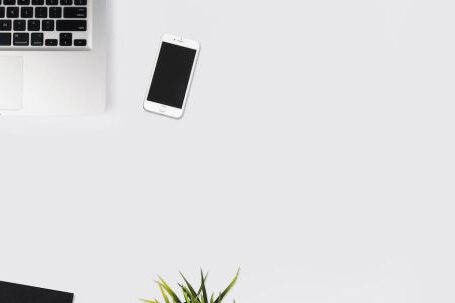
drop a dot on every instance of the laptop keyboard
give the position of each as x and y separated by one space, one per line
44 24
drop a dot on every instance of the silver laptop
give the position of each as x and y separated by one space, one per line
52 57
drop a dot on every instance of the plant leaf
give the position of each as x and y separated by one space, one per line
166 298
166 287
187 299
189 285
194 299
204 291
185 290
226 291
149 301
200 288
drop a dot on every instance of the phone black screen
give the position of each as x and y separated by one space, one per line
172 75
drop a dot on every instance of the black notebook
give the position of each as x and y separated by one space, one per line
15 293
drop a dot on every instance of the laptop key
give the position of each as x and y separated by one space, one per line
80 42
51 42
26 12
66 39
37 39
34 25
5 39
75 12
41 12
21 39
55 12
71 25
48 25
20 25
5 25
12 12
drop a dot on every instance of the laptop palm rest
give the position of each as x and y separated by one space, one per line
11 77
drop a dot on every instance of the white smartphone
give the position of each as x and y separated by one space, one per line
171 81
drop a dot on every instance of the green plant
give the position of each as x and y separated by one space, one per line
190 295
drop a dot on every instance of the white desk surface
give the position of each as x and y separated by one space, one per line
316 153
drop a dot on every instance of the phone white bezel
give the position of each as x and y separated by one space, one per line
165 110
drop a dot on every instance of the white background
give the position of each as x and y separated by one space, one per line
317 153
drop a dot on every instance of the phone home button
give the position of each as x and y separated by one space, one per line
163 108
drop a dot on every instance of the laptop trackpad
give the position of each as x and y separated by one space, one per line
11 69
